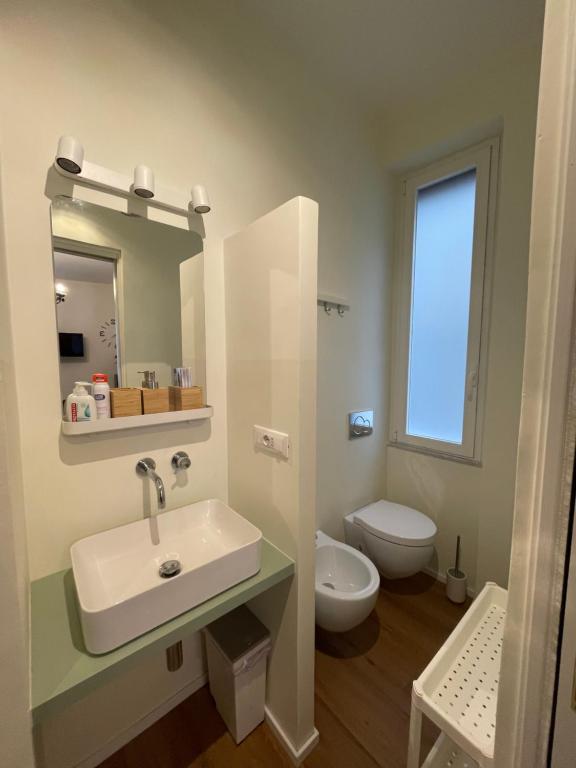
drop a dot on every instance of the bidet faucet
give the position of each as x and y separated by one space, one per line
146 468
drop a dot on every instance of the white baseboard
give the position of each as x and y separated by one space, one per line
440 576
296 755
134 730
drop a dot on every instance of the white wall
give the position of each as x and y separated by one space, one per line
15 724
477 502
136 84
353 355
271 274
186 89
250 162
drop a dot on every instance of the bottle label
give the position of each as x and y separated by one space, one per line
100 397
74 412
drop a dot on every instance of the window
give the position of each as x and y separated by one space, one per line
440 346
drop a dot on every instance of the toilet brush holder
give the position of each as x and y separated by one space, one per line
456 585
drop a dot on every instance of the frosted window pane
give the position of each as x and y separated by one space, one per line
441 274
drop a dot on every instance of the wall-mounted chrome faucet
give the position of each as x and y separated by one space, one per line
146 468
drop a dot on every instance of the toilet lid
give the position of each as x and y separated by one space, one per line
397 523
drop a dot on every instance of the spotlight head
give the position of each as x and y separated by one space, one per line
70 154
61 291
143 181
200 199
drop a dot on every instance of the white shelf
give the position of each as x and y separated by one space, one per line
458 690
446 754
76 428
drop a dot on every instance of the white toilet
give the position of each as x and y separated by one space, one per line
399 540
346 585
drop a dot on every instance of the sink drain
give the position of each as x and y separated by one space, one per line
328 584
169 569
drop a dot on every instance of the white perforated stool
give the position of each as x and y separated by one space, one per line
458 690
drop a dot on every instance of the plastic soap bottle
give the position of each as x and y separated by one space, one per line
101 392
80 405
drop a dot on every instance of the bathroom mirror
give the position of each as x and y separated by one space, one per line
129 296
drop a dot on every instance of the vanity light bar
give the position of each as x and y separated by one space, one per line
69 162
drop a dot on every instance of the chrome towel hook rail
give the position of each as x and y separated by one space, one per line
333 302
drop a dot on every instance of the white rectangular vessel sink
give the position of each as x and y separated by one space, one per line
202 549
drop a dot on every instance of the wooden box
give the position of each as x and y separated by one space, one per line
125 401
184 399
155 400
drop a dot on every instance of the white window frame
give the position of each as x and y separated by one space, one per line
484 159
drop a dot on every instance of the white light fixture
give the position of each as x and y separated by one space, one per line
143 185
69 162
61 292
200 199
70 154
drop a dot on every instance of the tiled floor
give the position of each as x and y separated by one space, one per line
363 684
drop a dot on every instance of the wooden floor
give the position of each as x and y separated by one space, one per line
363 684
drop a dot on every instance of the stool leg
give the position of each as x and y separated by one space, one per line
414 738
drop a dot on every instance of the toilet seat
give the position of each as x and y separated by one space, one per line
396 523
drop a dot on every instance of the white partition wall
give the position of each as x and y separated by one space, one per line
270 279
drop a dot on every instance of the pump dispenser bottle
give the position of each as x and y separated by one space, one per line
101 392
80 405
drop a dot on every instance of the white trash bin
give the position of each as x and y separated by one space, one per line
237 647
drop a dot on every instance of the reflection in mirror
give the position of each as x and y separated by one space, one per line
86 315
129 296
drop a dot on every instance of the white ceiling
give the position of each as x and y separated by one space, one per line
67 266
384 53
378 55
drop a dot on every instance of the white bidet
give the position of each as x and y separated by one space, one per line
347 585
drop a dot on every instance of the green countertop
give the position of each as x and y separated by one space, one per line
63 670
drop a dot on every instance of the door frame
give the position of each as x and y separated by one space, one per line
106 253
562 738
545 449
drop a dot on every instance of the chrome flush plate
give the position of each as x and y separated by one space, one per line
360 424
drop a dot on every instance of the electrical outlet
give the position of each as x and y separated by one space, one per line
272 441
